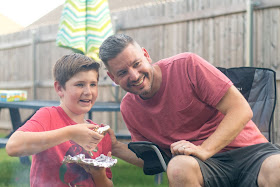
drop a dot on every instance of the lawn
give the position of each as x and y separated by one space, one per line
15 174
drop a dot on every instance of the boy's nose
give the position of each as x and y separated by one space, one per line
86 89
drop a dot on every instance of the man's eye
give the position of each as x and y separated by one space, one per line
122 73
93 85
136 64
80 85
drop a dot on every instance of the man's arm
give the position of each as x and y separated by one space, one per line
237 113
29 143
121 151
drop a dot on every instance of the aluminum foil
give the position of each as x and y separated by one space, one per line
101 161
102 130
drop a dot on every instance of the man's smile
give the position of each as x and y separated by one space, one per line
138 82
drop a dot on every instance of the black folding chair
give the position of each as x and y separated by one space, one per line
257 85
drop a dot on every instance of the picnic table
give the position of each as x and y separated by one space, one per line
37 104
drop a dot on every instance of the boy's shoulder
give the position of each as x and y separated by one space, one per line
49 111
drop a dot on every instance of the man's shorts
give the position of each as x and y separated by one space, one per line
237 168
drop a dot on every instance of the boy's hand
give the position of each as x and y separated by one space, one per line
85 136
93 170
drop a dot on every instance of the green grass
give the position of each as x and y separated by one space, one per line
15 174
12 172
127 175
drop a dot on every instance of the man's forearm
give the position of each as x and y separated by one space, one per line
225 133
237 114
121 151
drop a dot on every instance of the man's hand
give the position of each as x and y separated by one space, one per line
184 147
113 138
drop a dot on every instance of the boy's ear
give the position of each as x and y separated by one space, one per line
58 88
111 76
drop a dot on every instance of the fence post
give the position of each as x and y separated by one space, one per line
34 65
249 32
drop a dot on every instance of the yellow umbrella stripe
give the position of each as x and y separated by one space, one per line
84 25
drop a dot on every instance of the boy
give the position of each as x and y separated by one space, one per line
58 131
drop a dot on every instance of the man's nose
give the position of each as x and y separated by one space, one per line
134 74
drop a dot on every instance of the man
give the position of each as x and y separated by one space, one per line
189 108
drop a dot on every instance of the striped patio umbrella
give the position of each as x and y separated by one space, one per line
84 25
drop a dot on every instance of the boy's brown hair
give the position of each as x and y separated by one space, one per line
69 65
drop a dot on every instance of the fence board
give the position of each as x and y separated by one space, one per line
214 29
233 41
258 52
274 22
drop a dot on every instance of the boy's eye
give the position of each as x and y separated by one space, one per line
80 85
93 84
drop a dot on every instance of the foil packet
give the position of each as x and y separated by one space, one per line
101 161
102 130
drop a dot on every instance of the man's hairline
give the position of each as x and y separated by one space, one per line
133 43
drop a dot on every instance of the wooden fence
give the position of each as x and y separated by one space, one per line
217 30
26 61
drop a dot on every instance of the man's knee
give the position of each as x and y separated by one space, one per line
185 169
182 162
269 172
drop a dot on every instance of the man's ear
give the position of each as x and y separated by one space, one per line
111 76
146 54
58 88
